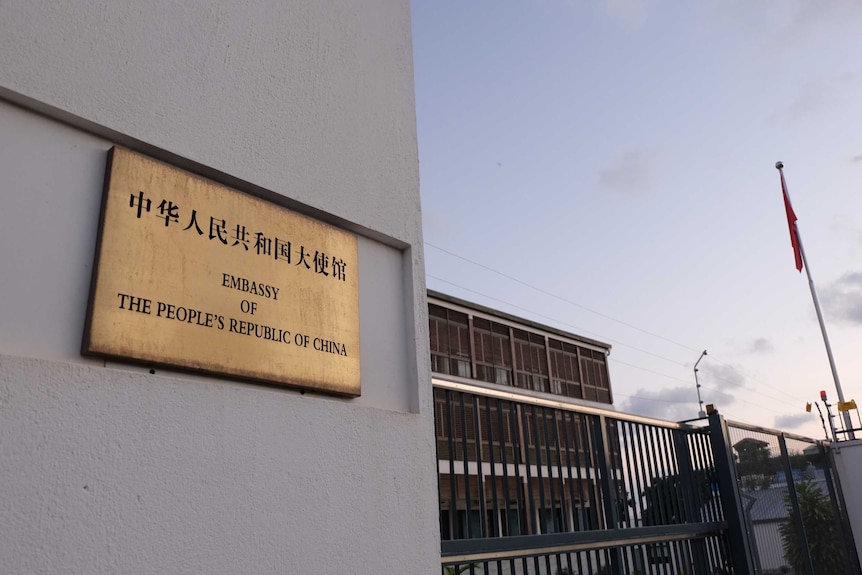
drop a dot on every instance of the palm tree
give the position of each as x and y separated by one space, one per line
821 531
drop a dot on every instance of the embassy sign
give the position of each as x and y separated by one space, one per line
195 275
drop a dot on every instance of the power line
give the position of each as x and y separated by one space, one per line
558 297
556 320
616 342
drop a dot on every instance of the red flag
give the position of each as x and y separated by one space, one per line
791 223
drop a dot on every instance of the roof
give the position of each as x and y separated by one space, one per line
441 297
768 504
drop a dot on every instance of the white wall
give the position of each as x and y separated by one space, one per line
107 468
848 462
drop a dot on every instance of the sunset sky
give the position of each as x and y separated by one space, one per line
607 168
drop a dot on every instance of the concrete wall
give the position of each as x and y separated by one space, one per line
848 462
107 468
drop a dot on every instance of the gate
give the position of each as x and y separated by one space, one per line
537 486
792 508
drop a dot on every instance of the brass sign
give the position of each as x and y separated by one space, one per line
192 274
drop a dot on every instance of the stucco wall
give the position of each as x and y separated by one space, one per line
848 462
108 468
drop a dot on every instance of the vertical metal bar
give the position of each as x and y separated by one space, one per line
640 482
577 441
613 431
453 502
564 428
705 445
506 495
544 412
795 511
520 452
644 474
691 501
608 487
659 516
655 472
472 335
669 441
480 473
672 502
538 450
625 430
564 515
496 523
587 422
592 473
466 462
731 501
528 471
672 471
698 446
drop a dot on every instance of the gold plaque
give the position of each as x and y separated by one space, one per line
192 274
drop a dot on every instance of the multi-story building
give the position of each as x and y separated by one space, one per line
509 462
473 342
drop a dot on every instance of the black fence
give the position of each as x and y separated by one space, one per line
536 486
792 505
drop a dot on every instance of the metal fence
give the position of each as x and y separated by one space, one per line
792 505
529 485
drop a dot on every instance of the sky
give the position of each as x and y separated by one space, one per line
607 167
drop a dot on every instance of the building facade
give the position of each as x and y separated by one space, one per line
507 468
113 467
477 343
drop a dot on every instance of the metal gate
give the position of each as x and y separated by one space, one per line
792 510
536 486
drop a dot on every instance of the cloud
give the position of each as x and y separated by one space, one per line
810 20
818 95
761 345
435 223
629 13
811 98
792 421
856 159
842 299
632 173
670 404
724 375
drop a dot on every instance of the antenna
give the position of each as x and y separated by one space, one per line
700 413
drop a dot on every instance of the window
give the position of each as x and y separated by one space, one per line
595 369
565 373
493 351
531 361
449 333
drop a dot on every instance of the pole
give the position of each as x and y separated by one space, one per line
823 421
847 423
700 413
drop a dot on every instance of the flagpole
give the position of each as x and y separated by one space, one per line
847 422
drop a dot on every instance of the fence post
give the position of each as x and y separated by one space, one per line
731 502
795 511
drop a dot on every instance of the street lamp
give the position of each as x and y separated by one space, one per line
700 413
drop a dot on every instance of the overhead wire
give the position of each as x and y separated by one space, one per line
611 340
558 297
606 316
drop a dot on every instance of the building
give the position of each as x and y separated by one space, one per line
115 467
473 342
509 468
